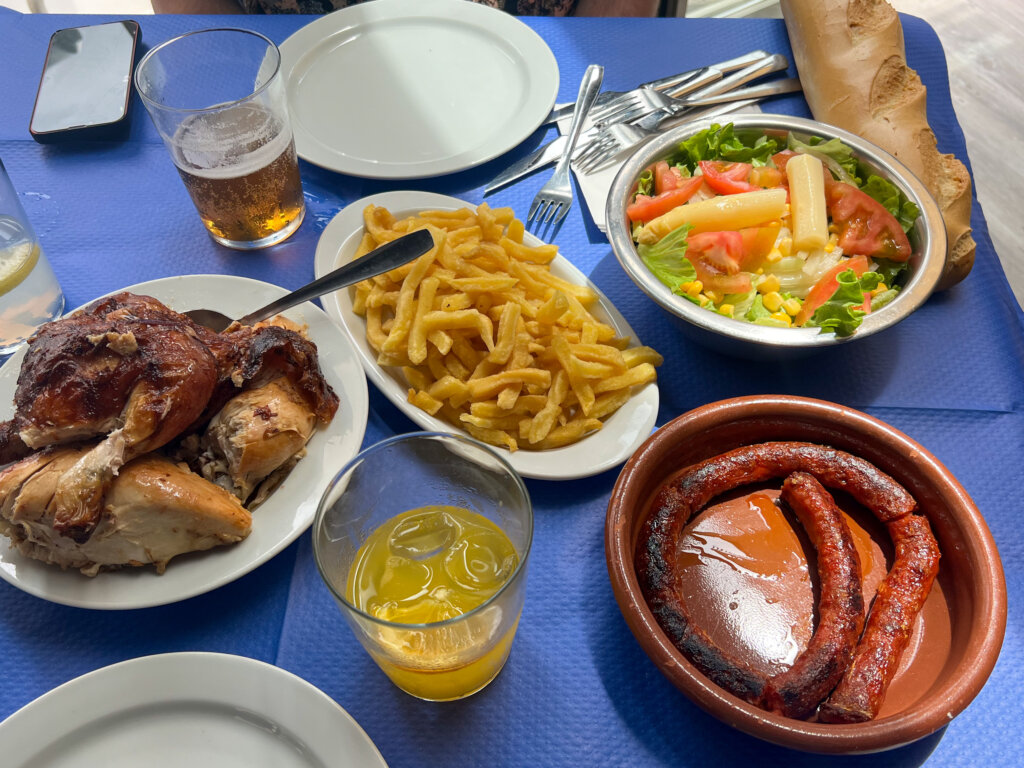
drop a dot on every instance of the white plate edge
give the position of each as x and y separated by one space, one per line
39 587
307 36
123 680
537 463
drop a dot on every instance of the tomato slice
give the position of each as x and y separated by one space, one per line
727 178
717 280
646 208
865 226
722 250
666 177
781 158
757 244
827 285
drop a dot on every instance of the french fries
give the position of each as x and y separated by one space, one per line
488 338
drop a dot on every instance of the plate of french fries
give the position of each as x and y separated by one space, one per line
493 334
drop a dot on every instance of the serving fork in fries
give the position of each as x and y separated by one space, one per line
487 337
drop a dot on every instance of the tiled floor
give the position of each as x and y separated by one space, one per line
982 41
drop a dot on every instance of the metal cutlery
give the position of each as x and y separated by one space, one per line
553 201
643 101
382 259
549 153
616 138
607 99
705 91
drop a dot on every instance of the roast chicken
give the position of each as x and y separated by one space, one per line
131 376
152 510
255 436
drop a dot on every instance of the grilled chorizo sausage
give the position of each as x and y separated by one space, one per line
687 494
798 691
899 599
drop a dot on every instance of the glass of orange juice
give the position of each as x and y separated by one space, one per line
423 540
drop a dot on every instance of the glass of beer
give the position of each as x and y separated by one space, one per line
29 292
423 541
217 98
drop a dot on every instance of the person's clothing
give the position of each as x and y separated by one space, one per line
517 7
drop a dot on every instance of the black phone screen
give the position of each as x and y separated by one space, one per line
86 78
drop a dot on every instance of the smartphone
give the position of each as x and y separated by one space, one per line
86 85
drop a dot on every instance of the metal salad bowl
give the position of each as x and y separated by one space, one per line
724 334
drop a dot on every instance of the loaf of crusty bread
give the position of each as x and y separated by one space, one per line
851 61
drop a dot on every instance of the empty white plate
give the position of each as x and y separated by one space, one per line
406 89
186 709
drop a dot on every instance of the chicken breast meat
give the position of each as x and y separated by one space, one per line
253 440
140 377
151 512
126 367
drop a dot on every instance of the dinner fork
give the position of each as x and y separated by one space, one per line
609 102
553 201
616 138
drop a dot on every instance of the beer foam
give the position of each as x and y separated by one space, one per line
200 148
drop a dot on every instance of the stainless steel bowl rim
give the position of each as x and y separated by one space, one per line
924 275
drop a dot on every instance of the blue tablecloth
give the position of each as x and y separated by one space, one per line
577 690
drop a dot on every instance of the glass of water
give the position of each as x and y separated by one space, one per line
29 292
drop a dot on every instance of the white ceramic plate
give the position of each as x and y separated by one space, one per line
186 709
623 431
277 522
406 89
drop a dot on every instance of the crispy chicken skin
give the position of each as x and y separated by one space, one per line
130 369
251 356
102 389
151 512
126 367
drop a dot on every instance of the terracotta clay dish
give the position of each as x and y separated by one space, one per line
742 571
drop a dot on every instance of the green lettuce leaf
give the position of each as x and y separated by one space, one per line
842 313
836 155
889 270
757 310
720 143
667 259
645 184
894 201
879 301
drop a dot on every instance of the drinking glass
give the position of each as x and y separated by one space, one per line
217 98
447 659
29 292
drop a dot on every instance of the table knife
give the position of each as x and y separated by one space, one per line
565 110
550 152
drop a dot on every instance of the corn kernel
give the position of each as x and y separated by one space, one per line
773 256
782 317
693 288
704 300
785 246
727 309
791 307
772 301
713 296
881 288
760 271
829 247
769 284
